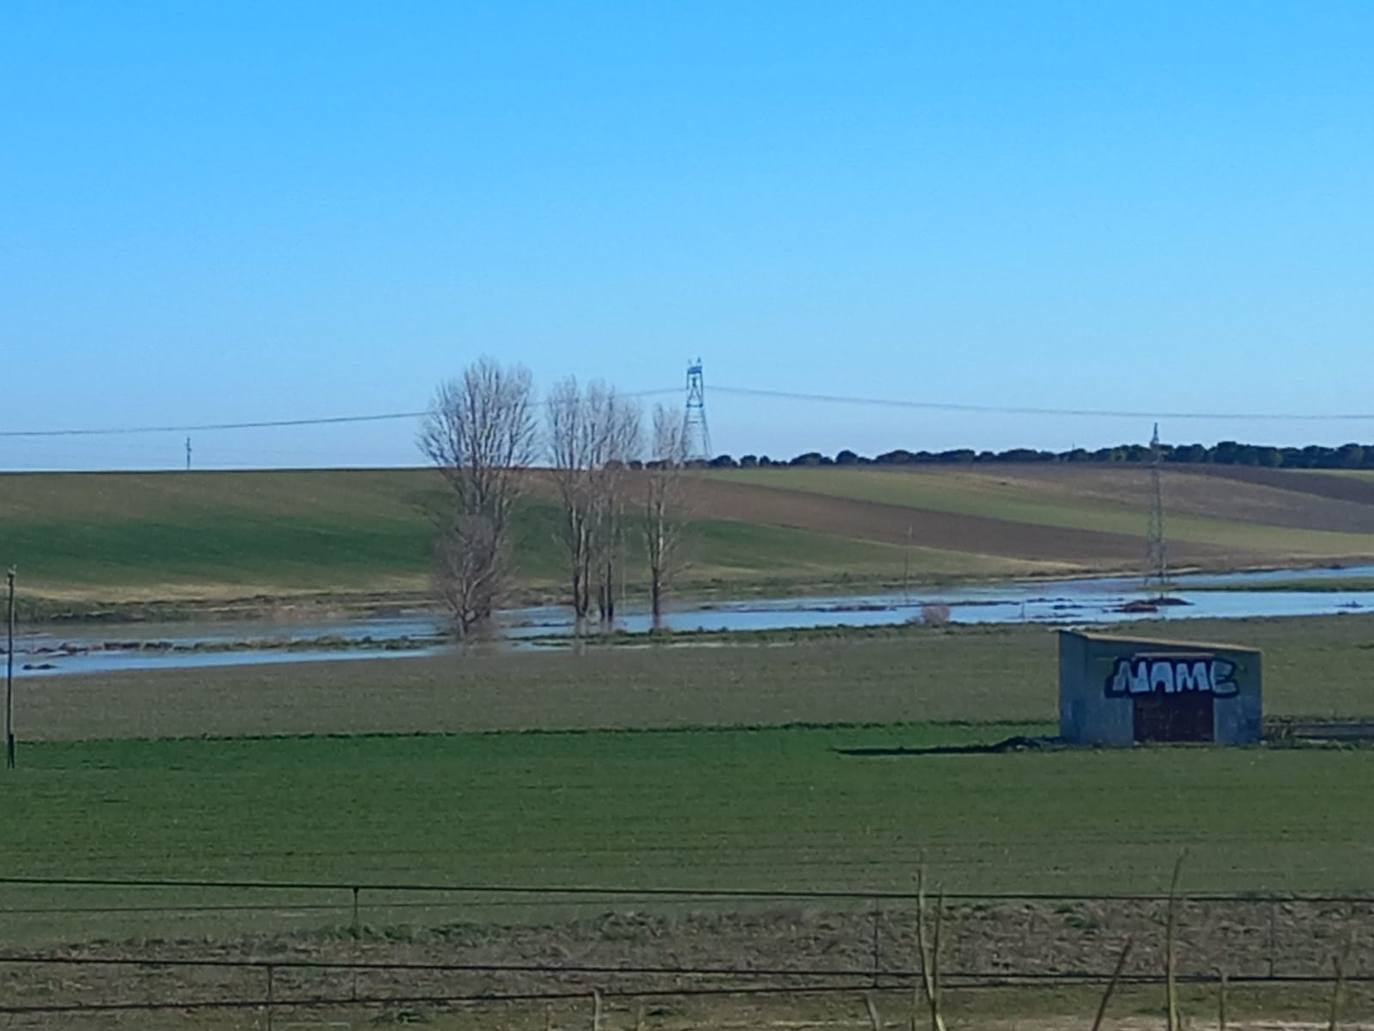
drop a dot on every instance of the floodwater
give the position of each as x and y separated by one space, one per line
108 648
1087 600
66 650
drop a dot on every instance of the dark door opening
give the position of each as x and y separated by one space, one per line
1173 717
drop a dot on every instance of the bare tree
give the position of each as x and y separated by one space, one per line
480 433
593 435
664 504
572 451
623 434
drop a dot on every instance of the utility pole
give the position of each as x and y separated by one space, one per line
906 568
9 682
1156 554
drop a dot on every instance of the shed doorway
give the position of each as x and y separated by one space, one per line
1174 717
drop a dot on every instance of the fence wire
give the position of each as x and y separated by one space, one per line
657 942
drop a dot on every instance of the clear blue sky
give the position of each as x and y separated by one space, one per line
270 210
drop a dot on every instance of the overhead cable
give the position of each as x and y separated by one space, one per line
332 420
756 392
1096 413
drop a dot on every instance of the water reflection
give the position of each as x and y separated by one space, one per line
106 648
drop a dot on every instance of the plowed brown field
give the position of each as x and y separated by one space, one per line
1275 497
1353 490
896 524
1077 515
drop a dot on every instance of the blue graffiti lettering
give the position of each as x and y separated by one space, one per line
1174 675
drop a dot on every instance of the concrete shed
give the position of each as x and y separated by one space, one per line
1122 690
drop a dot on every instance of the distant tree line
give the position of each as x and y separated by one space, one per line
1227 452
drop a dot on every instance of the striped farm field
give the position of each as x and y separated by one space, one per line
108 537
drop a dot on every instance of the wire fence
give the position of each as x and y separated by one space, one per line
279 991
325 945
643 893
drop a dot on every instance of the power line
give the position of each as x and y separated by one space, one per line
1097 413
332 420
758 392
111 431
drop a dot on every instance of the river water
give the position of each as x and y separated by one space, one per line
67 650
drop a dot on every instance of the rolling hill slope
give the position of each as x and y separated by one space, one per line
206 535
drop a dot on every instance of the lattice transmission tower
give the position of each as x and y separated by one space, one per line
1156 552
696 436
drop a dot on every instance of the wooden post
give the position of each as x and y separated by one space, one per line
9 682
1273 920
877 944
1170 954
357 944
906 568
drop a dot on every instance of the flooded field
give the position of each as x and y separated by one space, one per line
71 649
1088 600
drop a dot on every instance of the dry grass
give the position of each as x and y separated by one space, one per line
772 939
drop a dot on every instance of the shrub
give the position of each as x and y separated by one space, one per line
934 614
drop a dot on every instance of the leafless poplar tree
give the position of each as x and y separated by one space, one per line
664 504
622 447
481 434
571 447
593 435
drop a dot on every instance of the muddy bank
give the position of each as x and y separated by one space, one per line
44 609
49 611
38 656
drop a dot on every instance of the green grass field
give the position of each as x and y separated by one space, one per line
133 536
709 765
1314 667
1297 583
693 767
713 808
